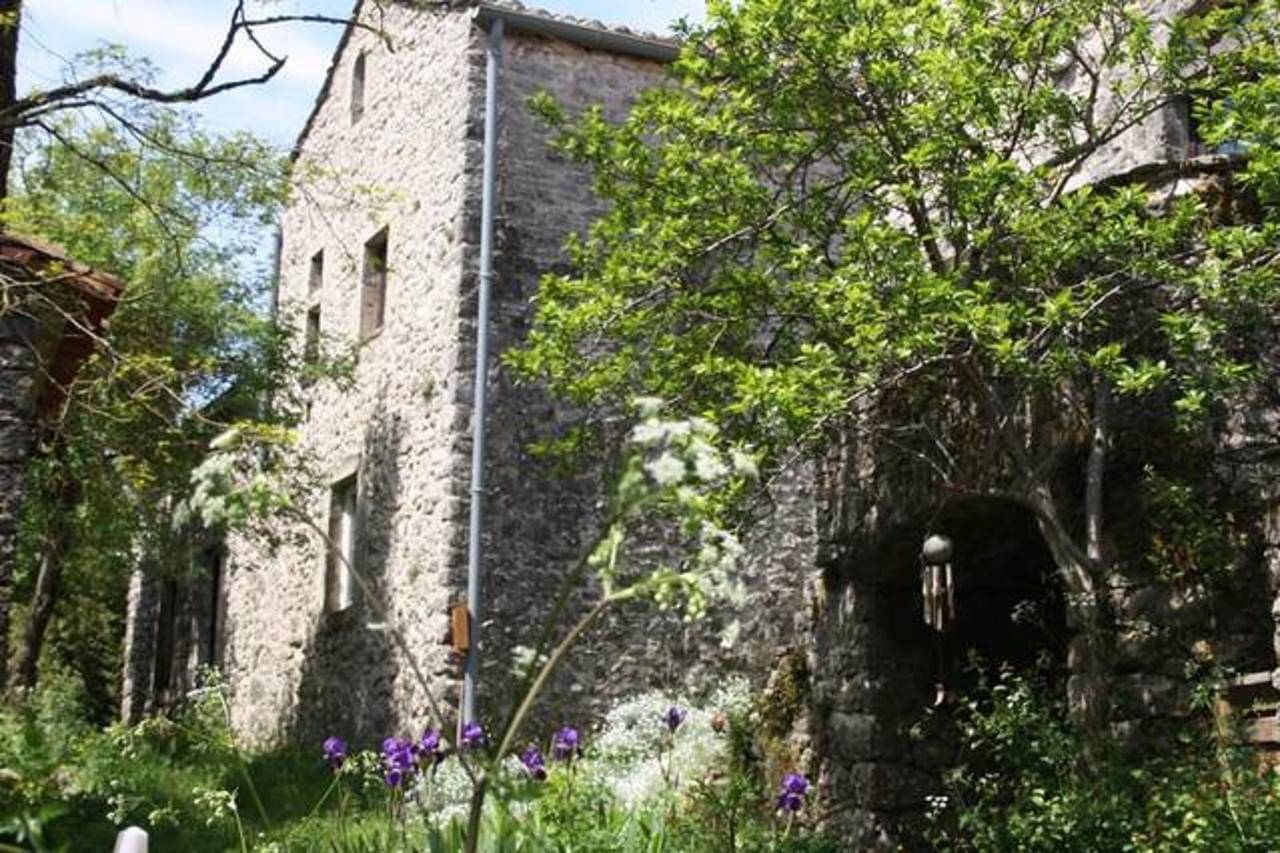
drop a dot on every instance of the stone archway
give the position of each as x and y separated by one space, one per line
1010 607
878 663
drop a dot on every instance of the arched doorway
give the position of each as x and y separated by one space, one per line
1009 605
886 740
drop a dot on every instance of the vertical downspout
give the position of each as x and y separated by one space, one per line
493 63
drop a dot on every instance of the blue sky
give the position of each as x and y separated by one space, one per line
181 36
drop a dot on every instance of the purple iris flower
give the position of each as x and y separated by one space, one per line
430 748
335 751
564 746
399 760
673 718
794 789
473 736
533 763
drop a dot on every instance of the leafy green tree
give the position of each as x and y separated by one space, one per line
902 222
191 347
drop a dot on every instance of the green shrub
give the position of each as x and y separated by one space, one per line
635 786
1026 782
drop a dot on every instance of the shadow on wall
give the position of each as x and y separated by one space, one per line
349 666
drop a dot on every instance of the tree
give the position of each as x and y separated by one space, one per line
190 349
112 152
893 221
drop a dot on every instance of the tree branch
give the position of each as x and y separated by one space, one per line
66 96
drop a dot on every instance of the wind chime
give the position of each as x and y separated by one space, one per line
937 587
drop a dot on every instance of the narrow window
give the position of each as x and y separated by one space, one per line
213 559
166 635
339 586
373 298
316 278
311 344
357 88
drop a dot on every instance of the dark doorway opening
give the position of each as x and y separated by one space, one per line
1010 609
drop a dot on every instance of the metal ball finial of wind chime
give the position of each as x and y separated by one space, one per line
937 587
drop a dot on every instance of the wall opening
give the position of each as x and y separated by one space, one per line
357 86
315 276
339 585
311 341
1010 608
166 635
373 299
888 723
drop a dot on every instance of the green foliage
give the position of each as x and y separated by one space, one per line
65 784
879 215
178 214
1024 783
1191 537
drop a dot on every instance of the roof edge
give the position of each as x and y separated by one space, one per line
90 281
595 38
519 20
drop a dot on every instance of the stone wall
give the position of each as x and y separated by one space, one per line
405 166
875 665
18 382
174 628
412 164
539 520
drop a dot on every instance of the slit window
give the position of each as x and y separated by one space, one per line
166 636
316 277
357 86
373 291
311 344
213 559
339 585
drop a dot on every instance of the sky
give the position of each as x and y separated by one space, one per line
181 36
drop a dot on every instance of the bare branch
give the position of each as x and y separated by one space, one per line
71 95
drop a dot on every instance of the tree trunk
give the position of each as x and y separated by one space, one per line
1096 468
1084 573
10 17
1088 615
48 585
8 556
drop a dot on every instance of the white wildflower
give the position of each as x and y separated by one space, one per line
648 407
703 427
707 463
744 464
648 433
666 470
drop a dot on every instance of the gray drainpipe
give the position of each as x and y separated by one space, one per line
493 64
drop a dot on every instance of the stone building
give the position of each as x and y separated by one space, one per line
381 245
